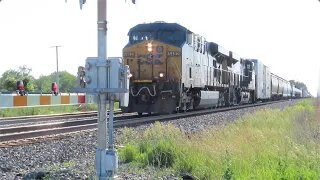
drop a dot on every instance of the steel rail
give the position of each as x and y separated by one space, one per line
138 121
46 116
34 127
30 131
39 118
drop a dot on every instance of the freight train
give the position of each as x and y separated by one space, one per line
175 69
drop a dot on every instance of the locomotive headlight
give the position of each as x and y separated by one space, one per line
161 75
131 75
149 45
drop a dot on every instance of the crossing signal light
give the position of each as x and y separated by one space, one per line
20 88
82 2
133 1
82 77
54 88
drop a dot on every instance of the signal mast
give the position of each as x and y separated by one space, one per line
97 76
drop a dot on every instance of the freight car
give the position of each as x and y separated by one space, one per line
175 69
272 87
297 93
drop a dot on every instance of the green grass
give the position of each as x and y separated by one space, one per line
269 144
29 111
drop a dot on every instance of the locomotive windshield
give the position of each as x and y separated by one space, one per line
172 34
137 37
171 37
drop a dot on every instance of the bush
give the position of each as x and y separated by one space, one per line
162 154
129 153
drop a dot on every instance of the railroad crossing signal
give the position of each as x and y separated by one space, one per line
108 80
82 2
133 1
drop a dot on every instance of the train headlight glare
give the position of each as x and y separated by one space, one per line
131 75
161 75
149 46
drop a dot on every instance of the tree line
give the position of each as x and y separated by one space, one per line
8 81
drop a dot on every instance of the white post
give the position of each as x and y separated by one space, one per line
106 158
102 56
99 72
57 61
102 122
111 106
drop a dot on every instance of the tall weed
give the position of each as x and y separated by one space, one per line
268 144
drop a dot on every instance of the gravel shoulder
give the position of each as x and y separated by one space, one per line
73 157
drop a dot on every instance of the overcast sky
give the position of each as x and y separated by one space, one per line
284 34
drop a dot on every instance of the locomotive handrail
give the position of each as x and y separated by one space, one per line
144 87
167 91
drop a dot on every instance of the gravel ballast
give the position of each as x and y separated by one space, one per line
73 157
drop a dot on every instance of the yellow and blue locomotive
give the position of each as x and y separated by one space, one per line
175 69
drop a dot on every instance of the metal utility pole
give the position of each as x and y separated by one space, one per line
108 81
57 59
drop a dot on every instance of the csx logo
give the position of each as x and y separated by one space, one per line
173 53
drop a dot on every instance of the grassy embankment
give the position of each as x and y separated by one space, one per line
29 111
270 144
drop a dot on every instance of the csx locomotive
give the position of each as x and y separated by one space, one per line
174 69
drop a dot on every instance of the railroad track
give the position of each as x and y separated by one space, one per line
11 135
44 118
